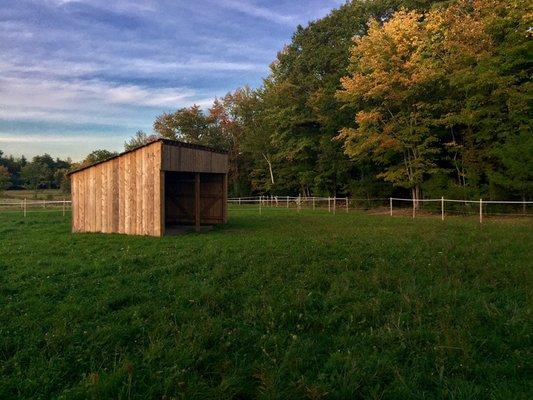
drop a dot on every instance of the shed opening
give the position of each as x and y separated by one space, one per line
193 199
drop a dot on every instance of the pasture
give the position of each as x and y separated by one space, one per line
277 306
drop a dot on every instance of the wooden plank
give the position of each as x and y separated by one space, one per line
144 194
98 198
121 195
115 183
127 193
81 203
197 202
156 208
104 212
109 199
73 203
90 199
187 160
219 163
150 157
166 152
225 198
132 193
203 160
138 192
176 158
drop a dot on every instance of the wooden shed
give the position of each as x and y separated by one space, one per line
153 190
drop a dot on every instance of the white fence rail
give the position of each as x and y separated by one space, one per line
390 205
26 206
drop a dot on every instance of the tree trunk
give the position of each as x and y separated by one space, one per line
415 191
269 168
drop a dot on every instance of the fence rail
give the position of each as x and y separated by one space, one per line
391 205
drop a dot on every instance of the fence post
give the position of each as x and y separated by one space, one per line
329 204
334 204
347 204
287 201
414 210
442 208
25 206
313 203
480 211
299 202
240 201
390 205
260 204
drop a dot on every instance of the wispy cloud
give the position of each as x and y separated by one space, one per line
64 139
77 68
248 8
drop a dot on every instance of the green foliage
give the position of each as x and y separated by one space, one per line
282 306
35 175
5 178
139 139
194 126
63 179
98 156
445 91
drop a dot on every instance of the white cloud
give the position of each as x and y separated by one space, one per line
63 94
64 139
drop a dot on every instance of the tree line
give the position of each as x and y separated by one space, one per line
413 98
383 97
42 171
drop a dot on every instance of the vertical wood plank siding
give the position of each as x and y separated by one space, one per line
109 197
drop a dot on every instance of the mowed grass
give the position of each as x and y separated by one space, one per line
278 306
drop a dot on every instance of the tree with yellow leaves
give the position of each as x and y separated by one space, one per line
392 83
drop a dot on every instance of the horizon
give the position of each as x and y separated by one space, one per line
84 75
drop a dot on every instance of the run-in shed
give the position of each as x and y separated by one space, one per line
151 190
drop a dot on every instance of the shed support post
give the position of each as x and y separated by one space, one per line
197 201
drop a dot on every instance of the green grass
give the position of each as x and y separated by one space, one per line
285 305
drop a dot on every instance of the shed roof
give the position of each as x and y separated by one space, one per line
169 142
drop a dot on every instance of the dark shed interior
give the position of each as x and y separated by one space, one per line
185 197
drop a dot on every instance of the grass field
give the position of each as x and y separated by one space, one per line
278 306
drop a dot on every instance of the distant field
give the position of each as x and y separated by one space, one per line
278 306
44 194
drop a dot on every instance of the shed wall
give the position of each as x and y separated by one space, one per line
122 195
184 159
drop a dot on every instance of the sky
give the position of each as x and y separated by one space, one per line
82 75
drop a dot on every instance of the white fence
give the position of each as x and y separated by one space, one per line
391 205
26 206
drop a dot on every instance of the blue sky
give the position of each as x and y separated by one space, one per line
87 74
